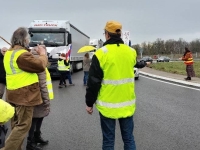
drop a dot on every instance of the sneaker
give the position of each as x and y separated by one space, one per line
72 84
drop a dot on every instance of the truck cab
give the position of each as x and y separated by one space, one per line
57 35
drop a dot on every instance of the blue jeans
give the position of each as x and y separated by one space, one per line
69 77
85 78
108 130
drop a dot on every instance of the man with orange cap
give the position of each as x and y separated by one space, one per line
111 87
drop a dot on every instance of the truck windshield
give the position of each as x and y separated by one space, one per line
48 39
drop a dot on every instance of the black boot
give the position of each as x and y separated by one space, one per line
188 78
31 145
39 139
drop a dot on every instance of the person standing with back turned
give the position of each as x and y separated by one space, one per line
111 86
22 88
86 67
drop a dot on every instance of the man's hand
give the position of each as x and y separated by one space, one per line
89 110
40 50
148 64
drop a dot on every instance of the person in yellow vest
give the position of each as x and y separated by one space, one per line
42 110
6 113
188 60
22 90
62 68
111 87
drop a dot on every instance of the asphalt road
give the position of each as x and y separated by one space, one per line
167 118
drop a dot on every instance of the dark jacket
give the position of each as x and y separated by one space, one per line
141 64
2 70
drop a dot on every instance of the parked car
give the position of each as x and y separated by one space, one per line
136 72
163 59
146 59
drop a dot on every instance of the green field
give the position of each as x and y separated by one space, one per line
176 67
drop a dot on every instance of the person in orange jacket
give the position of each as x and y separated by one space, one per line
188 60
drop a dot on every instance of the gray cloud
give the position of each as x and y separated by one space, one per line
145 19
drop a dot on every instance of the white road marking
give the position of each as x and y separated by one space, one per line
176 84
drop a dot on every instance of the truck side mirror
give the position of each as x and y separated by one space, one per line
69 39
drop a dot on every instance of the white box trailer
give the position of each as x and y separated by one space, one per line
58 36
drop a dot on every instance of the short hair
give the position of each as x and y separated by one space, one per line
63 55
87 55
20 37
114 35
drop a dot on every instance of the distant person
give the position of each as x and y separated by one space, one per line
86 67
2 72
111 87
22 85
42 110
62 68
6 113
188 60
69 77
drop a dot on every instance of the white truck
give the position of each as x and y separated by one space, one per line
96 43
58 36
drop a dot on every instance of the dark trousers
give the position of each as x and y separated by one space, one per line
3 131
69 77
85 78
35 127
108 130
62 77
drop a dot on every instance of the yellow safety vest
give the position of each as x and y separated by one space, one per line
116 98
61 66
15 77
49 84
6 111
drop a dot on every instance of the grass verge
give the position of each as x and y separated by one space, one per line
176 67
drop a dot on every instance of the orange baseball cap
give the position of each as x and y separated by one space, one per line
113 27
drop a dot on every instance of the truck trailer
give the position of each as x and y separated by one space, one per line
59 36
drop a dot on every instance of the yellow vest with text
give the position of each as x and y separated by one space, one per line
61 66
15 77
116 98
49 84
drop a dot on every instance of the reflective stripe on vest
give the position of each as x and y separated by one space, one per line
49 84
115 105
116 98
117 82
14 75
61 66
189 61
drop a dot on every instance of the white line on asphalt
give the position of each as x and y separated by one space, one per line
171 83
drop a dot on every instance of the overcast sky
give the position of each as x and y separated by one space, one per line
146 20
